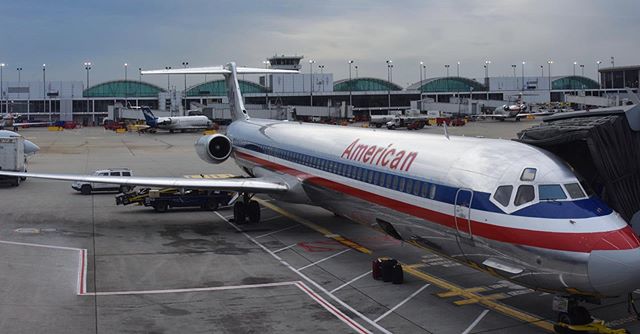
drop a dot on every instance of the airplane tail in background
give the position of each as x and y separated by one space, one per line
230 72
149 117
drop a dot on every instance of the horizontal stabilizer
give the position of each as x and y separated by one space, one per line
217 70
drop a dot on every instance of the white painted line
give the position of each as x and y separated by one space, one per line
401 303
332 309
325 259
262 220
306 278
81 283
285 248
38 245
475 322
187 290
278 231
351 281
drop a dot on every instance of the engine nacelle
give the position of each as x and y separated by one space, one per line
213 149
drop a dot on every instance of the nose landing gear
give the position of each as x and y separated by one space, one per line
246 210
573 318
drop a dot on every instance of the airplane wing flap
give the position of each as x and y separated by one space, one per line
253 185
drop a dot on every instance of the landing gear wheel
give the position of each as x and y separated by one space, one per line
85 189
161 207
577 315
253 212
239 212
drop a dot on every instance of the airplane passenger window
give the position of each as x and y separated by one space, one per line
528 174
550 192
425 188
409 187
359 174
503 194
525 194
432 191
376 177
370 177
388 181
395 182
574 190
416 187
402 181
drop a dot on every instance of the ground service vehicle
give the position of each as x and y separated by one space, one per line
12 158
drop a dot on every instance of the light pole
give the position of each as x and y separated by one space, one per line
168 78
126 87
513 66
549 62
458 69
139 84
420 69
446 66
87 67
185 64
266 83
523 63
311 62
356 68
598 72
1 87
613 64
541 72
19 69
574 68
389 65
486 74
44 91
350 83
321 67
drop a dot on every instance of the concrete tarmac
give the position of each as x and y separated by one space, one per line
80 264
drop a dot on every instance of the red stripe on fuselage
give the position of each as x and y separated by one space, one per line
623 238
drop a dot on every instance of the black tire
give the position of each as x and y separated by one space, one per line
387 270
161 206
239 212
24 178
378 126
253 212
212 205
85 189
15 182
171 131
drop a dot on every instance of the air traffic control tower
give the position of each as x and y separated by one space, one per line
286 62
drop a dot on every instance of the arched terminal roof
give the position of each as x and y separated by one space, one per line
219 88
450 84
574 82
364 85
123 88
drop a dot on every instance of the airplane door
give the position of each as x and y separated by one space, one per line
462 212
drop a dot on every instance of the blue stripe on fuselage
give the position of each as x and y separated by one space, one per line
575 209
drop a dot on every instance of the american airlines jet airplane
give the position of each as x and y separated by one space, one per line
511 209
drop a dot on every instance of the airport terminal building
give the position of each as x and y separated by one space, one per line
72 100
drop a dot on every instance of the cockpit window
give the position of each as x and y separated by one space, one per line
503 194
551 192
574 190
528 174
525 194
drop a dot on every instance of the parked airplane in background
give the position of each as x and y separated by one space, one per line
29 147
514 210
178 123
514 111
12 121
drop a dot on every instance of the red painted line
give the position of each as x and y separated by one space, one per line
332 309
623 238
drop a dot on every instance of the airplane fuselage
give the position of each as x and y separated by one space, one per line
183 123
442 193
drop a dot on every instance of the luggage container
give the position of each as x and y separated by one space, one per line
12 158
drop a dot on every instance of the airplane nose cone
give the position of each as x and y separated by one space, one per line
30 147
615 272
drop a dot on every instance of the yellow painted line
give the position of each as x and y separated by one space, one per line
494 296
460 292
315 227
492 304
468 294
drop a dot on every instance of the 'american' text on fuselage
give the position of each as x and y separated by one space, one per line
379 155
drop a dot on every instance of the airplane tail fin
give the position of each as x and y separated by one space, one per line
149 117
230 72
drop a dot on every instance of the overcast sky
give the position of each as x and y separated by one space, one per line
157 33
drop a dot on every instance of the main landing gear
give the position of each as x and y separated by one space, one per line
246 210
573 318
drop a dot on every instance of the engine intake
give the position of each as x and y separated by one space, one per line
213 149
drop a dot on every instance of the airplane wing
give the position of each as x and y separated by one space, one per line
252 185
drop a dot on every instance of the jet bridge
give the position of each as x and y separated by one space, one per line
603 147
